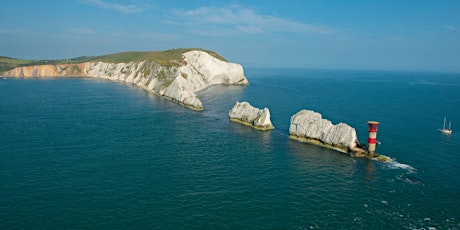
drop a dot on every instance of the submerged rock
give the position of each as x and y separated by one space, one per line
309 126
245 113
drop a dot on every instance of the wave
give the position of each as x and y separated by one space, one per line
394 164
410 179
409 176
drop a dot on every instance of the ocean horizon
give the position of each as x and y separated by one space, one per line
92 153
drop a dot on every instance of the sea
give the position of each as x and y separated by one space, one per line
86 153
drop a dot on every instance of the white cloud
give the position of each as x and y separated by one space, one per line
126 9
251 29
247 20
450 27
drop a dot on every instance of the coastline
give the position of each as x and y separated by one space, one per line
176 78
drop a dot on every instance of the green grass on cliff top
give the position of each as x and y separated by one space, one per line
166 58
7 63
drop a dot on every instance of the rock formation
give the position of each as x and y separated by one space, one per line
197 70
245 113
309 126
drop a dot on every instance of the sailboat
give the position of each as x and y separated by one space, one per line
444 130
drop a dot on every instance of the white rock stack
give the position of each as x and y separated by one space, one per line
309 126
245 113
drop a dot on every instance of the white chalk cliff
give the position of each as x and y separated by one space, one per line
309 126
198 70
245 113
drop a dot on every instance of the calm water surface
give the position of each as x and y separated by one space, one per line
89 153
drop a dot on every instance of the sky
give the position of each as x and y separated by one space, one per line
395 35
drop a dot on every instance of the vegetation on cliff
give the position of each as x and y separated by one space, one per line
165 58
7 63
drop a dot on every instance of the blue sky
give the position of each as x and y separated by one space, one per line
356 34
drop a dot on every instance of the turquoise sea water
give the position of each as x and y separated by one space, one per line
89 153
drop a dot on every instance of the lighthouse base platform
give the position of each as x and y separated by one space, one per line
359 152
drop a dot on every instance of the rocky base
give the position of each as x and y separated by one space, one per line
354 152
362 153
251 125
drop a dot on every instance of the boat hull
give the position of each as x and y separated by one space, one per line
445 131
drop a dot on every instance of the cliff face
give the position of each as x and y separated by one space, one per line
309 126
47 70
245 113
179 84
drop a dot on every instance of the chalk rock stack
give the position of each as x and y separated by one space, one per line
309 126
245 113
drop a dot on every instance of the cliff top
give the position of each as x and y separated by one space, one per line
166 58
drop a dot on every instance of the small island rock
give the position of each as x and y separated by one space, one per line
245 113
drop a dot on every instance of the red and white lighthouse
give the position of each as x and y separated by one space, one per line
372 139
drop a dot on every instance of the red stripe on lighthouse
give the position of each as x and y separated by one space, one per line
371 140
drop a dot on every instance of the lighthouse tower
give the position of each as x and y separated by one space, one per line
372 139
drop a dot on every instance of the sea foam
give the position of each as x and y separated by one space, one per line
394 164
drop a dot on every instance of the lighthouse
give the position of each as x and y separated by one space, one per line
372 139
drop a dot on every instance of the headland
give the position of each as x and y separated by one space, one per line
173 74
